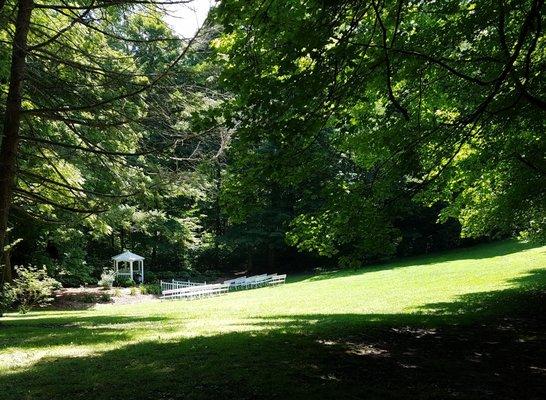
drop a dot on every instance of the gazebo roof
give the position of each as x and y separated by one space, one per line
128 256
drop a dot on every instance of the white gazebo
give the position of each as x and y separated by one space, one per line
127 259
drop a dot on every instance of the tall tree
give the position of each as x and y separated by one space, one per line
12 117
439 102
80 98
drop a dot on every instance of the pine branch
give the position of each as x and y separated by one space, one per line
44 200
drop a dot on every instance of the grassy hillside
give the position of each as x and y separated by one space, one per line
463 324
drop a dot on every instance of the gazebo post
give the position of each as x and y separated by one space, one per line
131 269
142 271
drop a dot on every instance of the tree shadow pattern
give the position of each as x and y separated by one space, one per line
484 345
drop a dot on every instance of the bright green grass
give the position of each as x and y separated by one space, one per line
248 339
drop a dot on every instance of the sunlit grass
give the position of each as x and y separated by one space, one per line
406 290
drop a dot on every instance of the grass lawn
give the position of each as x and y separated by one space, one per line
464 324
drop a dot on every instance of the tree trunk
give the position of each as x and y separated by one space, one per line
276 205
218 231
249 263
271 258
12 119
154 249
122 239
8 271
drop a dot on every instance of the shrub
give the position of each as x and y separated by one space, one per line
124 282
168 275
133 291
32 287
73 272
107 279
86 298
117 292
150 288
7 298
90 297
71 268
150 276
205 276
183 275
105 297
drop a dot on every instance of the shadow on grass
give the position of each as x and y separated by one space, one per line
66 330
477 252
483 345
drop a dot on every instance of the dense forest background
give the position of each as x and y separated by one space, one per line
283 136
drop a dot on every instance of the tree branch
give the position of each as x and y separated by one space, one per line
388 68
44 200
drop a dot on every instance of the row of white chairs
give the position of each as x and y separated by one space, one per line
174 284
193 291
255 281
196 290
